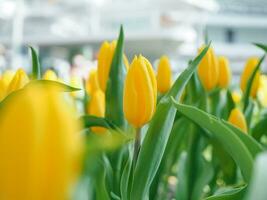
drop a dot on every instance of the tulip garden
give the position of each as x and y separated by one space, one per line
142 134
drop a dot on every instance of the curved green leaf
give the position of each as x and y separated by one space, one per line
249 84
230 194
253 146
262 46
36 69
90 121
229 140
115 83
155 141
260 128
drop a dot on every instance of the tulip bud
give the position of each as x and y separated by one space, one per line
224 72
140 92
236 96
40 146
7 77
105 57
238 119
19 80
249 68
208 71
4 82
92 82
164 75
262 92
2 90
50 75
97 108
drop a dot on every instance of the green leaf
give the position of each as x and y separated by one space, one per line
125 179
249 112
262 46
61 87
257 188
90 121
249 84
156 138
204 176
228 139
253 146
115 83
260 128
230 104
230 194
36 68
182 186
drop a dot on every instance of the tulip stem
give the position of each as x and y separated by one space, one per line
137 145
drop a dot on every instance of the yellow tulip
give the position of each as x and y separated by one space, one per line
224 72
262 91
105 57
92 82
97 108
50 75
19 80
164 75
249 68
7 77
140 92
2 90
208 70
236 96
40 146
238 119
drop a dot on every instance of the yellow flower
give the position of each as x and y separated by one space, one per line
50 75
40 146
208 70
164 75
7 77
262 91
236 96
140 92
224 72
2 90
19 80
92 82
97 108
238 119
76 81
105 57
249 68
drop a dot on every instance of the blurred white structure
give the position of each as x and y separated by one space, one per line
152 27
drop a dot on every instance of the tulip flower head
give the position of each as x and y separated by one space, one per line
40 146
19 80
224 72
164 75
105 57
50 75
92 82
249 68
140 92
97 108
262 91
237 118
236 95
208 71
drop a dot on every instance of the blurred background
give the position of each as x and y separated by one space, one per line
68 33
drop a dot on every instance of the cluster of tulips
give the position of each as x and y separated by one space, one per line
140 136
